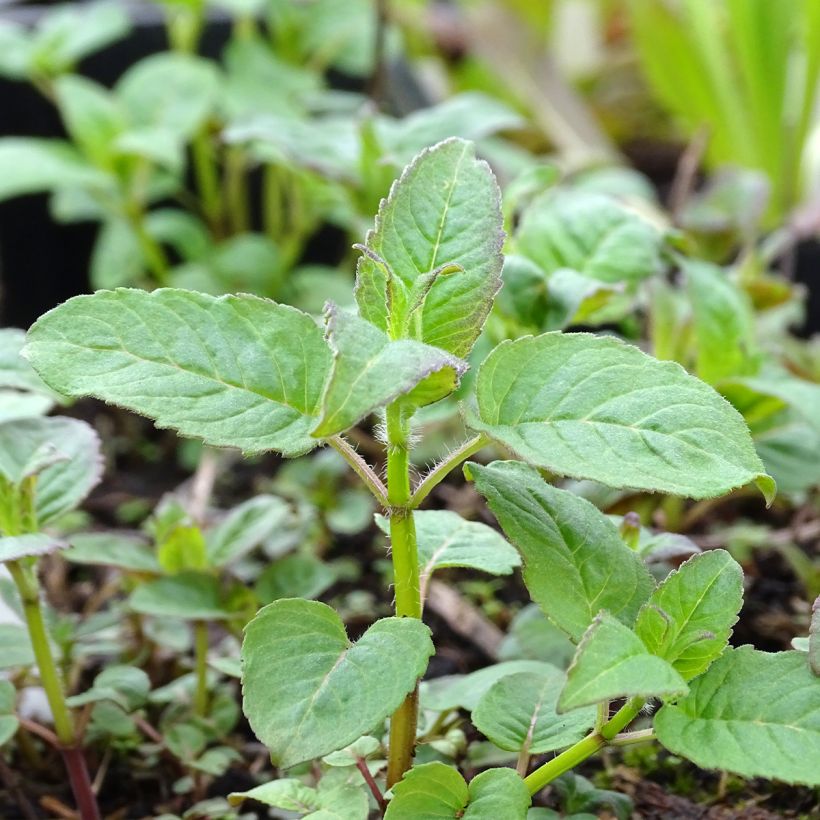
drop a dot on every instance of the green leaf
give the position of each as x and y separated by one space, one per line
814 638
369 371
688 619
465 691
589 233
575 562
8 728
63 453
533 636
126 686
15 372
112 549
753 713
444 209
295 576
237 371
14 547
181 549
334 802
192 596
594 407
32 166
15 647
434 791
172 91
15 406
308 691
519 713
445 539
613 662
244 528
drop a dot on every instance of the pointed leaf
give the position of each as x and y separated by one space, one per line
575 562
445 208
370 370
244 528
236 371
308 691
753 713
612 662
593 407
518 714
192 596
688 619
435 791
113 549
14 547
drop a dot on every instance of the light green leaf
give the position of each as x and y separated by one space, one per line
112 549
31 166
294 576
335 802
156 143
518 713
15 647
172 91
589 233
753 713
15 406
575 562
126 686
14 547
181 549
689 618
465 691
613 662
370 371
434 791
444 209
445 539
814 638
8 728
64 454
116 258
237 371
308 691
724 322
244 528
533 636
15 372
192 596
593 407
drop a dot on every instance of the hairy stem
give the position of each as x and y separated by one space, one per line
201 658
405 578
445 466
361 468
569 759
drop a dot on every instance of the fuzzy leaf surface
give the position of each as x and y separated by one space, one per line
575 562
435 791
519 713
236 371
613 662
753 713
689 617
369 371
594 407
308 691
445 208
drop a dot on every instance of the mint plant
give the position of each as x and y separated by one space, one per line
245 372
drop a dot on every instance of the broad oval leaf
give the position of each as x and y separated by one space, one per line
307 690
236 371
20 546
435 791
519 713
575 562
445 208
612 662
594 407
689 617
294 576
369 371
192 596
244 528
753 713
114 549
589 233
63 453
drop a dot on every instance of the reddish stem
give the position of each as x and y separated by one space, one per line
361 765
80 782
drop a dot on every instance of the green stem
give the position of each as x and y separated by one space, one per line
544 775
201 656
445 466
361 468
154 255
207 179
26 583
236 190
405 578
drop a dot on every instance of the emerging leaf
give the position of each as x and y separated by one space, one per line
612 662
236 371
575 562
689 618
753 713
308 691
434 791
444 209
519 713
593 407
